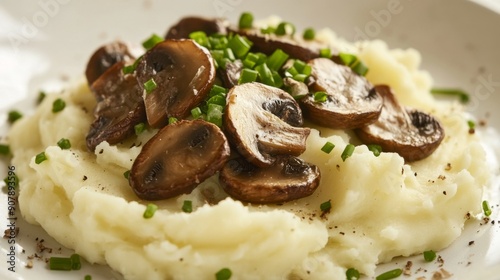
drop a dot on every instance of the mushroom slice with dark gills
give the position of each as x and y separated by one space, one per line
187 25
119 107
262 122
288 178
412 134
179 157
105 57
183 73
351 100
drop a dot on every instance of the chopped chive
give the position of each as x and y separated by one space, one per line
462 95
57 263
14 116
285 28
64 143
278 81
360 68
217 90
187 206
248 76
299 65
327 53
375 149
75 262
196 112
300 77
268 30
292 71
228 53
429 256
58 105
277 59
471 124
4 149
150 85
223 274
128 69
139 128
172 120
309 34
328 147
217 99
325 206
41 157
349 149
41 97
150 211
348 59
262 58
486 208
265 74
250 60
391 274
201 38
152 41
246 20
239 45
320 96
352 274
126 174
87 277
214 114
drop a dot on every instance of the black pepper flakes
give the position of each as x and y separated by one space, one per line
85 178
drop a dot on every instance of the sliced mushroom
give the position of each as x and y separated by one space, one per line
178 158
184 73
187 25
351 100
105 57
412 134
289 178
230 75
119 107
262 122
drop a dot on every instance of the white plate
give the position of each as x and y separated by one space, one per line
43 43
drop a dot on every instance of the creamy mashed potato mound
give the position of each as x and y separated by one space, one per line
381 207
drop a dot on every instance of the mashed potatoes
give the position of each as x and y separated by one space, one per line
381 207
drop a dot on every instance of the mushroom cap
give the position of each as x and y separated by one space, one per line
105 57
412 134
187 25
289 178
262 121
179 157
119 107
351 100
184 73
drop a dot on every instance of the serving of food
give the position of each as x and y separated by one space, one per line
251 150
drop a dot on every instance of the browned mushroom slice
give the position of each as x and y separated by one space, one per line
262 121
351 100
178 158
183 72
187 25
412 134
230 75
105 57
119 107
289 178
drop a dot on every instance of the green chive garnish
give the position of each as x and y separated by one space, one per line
285 28
277 59
58 105
265 74
248 76
217 90
196 112
64 144
239 45
172 120
14 116
87 277
214 114
462 95
126 174
391 274
352 274
128 69
75 262
320 96
328 147
41 157
152 41
223 274
325 206
57 263
486 208
327 53
246 20
150 85
139 128
360 68
187 206
250 60
309 34
375 149
471 124
349 149
348 59
150 211
429 256
4 150
41 97
201 38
